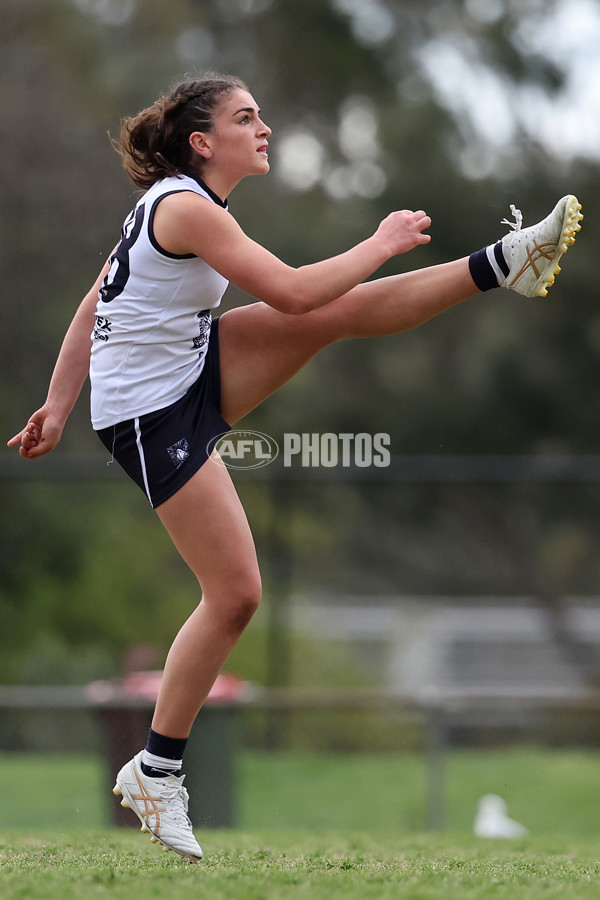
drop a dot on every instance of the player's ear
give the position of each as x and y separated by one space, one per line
199 143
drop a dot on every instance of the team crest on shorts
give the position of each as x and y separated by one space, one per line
179 452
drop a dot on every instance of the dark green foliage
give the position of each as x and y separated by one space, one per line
496 376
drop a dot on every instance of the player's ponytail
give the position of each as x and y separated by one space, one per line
154 144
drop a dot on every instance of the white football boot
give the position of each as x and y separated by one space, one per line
532 254
161 805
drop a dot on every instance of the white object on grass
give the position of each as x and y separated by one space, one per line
491 820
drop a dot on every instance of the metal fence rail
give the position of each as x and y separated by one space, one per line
421 468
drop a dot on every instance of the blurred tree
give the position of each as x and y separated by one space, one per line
374 105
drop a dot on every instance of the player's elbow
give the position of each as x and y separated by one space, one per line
301 304
293 302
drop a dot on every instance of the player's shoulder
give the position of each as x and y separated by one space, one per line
185 183
187 206
185 195
184 220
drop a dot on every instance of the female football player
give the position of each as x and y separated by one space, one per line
167 379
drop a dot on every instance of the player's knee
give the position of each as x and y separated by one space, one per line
244 600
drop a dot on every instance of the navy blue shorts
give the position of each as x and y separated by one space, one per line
162 450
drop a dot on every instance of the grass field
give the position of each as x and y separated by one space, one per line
298 866
313 828
551 792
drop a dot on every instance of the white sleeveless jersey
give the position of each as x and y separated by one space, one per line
153 317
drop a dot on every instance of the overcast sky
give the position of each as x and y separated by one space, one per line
567 124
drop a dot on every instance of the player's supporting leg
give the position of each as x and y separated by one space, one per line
208 526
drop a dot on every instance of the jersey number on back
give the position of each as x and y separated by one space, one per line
117 276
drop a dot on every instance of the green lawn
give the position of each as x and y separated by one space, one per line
551 792
281 865
313 827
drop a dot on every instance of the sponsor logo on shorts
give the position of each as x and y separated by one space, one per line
179 452
244 449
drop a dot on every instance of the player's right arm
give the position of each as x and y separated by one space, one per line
44 427
186 223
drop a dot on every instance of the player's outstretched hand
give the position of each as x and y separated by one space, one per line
41 435
403 230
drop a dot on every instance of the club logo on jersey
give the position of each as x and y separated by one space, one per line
179 452
244 449
204 320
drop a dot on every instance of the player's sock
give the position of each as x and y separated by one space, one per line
162 756
488 267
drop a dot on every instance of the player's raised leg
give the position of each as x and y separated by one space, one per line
261 348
